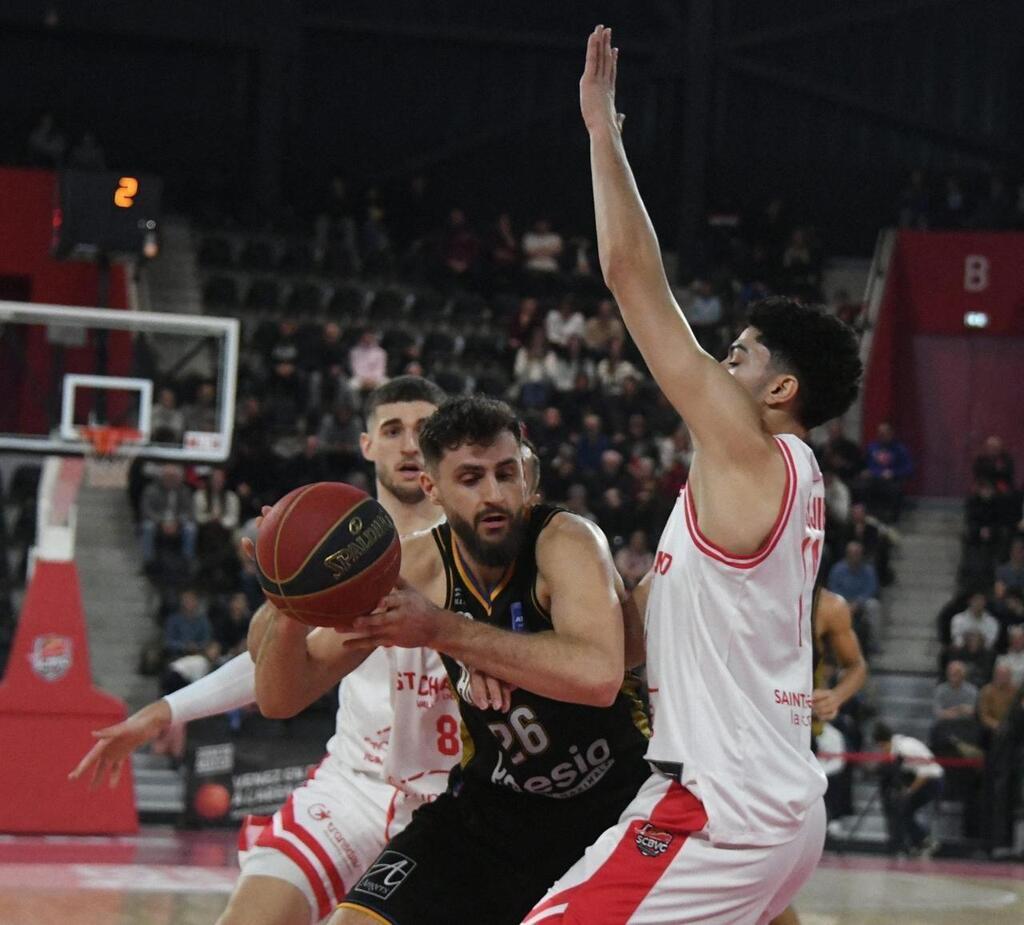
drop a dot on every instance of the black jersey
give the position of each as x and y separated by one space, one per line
541 746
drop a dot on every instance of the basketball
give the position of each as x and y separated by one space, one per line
327 553
212 801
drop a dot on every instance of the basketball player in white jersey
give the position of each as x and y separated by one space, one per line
299 864
732 821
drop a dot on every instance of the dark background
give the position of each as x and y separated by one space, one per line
250 107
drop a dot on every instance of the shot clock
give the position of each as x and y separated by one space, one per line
103 212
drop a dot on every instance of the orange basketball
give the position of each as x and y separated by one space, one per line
327 553
212 801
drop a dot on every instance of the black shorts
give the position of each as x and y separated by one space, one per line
485 856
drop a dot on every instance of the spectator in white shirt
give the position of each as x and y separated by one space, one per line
369 362
976 618
908 785
166 414
613 370
1014 656
564 322
542 247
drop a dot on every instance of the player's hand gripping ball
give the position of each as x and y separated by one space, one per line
327 553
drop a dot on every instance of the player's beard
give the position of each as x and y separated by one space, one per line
497 554
405 493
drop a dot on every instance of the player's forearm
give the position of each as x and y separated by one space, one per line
283 666
853 679
628 247
231 686
546 663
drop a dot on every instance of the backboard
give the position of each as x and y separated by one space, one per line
169 378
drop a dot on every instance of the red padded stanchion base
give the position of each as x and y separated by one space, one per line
48 707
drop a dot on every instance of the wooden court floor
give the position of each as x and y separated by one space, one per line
164 877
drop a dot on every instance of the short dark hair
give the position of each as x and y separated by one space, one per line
474 420
819 349
881 733
404 388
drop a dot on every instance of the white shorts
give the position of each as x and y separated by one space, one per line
325 835
657 867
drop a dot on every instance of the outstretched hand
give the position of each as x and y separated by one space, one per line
597 85
116 743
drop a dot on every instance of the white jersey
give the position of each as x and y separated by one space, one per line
398 721
729 663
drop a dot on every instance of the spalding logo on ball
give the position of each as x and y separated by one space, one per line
327 553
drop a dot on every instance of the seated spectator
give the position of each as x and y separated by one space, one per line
524 323
888 467
501 251
799 270
705 315
550 435
542 248
231 625
612 474
909 783
983 535
535 371
327 368
635 559
638 439
166 415
214 503
368 362
309 466
976 657
576 501
591 444
167 513
873 536
1014 657
953 209
841 454
976 618
613 370
1009 611
187 630
338 433
572 361
631 400
614 517
994 464
603 328
564 322
857 581
585 398
1010 575
997 697
202 414
954 706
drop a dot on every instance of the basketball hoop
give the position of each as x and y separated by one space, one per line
103 468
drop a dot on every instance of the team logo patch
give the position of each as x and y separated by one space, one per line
51 656
319 812
652 842
386 874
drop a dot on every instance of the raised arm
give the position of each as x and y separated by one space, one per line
722 416
580 660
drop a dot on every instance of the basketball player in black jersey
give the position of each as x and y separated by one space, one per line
528 593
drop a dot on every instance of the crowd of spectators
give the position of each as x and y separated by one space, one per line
979 702
952 202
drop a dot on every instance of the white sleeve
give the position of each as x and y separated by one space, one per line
231 686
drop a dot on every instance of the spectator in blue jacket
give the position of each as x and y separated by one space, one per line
187 630
857 581
888 467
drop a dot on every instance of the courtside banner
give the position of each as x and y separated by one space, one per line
232 774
